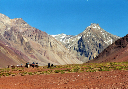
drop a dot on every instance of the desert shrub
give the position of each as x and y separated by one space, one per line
7 74
42 72
20 69
3 74
68 70
76 69
22 74
38 73
7 69
35 73
118 68
67 66
90 70
45 72
13 74
0 74
49 71
30 73
62 72
25 72
113 63
57 71
82 69
3 70
103 69
58 66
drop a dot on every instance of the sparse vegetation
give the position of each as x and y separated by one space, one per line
90 67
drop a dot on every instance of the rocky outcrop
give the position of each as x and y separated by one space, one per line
35 44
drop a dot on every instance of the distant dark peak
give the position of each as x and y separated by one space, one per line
123 42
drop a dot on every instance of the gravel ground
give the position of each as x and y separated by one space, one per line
117 79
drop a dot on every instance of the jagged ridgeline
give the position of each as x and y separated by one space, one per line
88 44
24 43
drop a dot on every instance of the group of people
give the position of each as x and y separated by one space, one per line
31 65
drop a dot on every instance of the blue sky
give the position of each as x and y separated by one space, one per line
70 16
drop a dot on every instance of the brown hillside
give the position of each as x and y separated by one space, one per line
117 52
9 57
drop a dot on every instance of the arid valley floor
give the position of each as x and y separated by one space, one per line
43 78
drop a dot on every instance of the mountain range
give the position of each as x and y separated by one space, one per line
21 43
88 44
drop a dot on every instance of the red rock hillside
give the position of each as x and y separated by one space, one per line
117 52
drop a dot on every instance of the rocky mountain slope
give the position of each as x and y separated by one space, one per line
116 52
88 44
63 38
34 44
8 56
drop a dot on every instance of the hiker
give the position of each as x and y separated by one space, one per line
36 65
51 65
21 65
48 65
33 64
27 64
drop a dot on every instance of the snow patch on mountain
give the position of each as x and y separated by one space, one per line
63 37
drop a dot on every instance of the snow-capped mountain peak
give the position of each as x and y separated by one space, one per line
62 37
88 44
